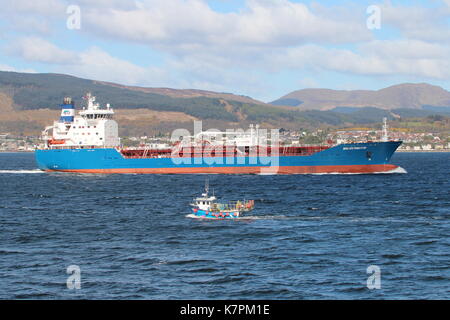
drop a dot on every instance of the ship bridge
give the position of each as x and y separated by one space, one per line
94 111
92 127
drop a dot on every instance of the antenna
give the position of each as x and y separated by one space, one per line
385 130
206 186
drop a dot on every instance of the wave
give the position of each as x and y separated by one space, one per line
21 171
243 218
396 170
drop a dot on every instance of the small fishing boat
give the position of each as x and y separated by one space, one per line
207 206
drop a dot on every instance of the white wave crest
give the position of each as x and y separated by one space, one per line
267 217
20 171
397 170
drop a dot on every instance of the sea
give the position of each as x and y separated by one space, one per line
87 236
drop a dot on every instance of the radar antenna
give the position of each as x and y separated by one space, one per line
206 186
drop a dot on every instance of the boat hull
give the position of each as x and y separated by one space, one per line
215 215
371 157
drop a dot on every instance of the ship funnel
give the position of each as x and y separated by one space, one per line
67 110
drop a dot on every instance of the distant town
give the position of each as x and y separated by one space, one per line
413 142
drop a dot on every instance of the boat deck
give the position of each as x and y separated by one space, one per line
221 152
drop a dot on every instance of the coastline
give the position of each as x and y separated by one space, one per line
422 151
15 151
403 151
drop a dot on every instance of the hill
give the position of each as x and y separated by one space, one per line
39 91
29 102
407 95
152 109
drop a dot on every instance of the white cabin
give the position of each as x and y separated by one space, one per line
204 202
93 126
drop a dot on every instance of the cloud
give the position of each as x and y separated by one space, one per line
39 50
93 63
193 23
419 23
377 58
248 50
31 17
5 67
407 49
41 7
308 83
210 74
31 24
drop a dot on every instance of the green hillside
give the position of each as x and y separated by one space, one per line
45 91
38 91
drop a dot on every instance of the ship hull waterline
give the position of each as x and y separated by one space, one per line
363 158
383 168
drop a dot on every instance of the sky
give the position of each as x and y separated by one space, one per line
259 48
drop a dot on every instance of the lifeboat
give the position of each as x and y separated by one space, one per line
55 141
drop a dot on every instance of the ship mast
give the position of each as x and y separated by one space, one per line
385 137
206 187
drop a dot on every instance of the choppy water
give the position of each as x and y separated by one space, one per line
310 237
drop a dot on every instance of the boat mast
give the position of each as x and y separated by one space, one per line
385 130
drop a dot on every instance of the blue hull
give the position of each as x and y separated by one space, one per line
345 158
215 215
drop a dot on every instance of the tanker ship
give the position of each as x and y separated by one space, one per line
88 142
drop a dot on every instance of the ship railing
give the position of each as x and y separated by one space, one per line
233 205
61 147
146 152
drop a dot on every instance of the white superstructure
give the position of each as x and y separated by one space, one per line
205 201
238 138
92 127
